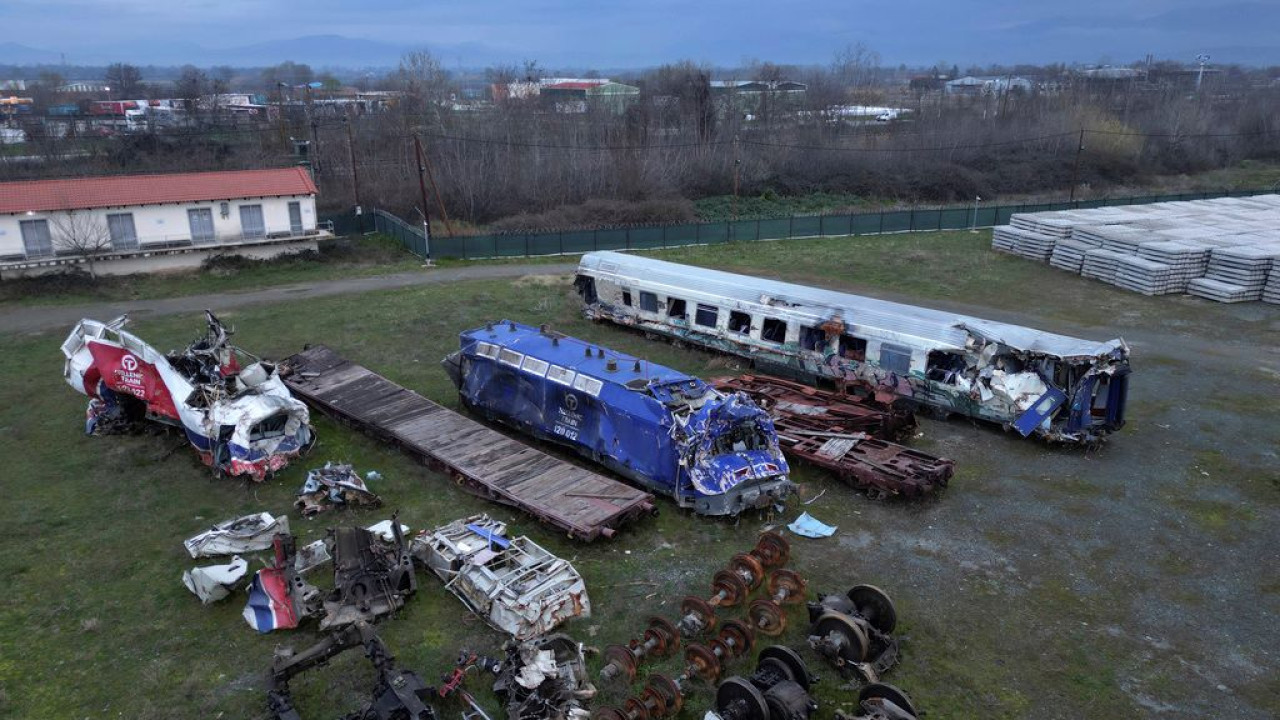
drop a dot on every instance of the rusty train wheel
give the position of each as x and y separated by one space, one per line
791 581
742 635
767 617
731 586
772 550
694 605
748 568
876 693
623 658
703 663
664 636
668 690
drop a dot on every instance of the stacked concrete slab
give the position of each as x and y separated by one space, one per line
1226 249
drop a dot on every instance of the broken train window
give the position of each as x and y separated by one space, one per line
676 308
626 297
739 322
774 330
895 358
853 348
708 315
944 367
648 302
812 338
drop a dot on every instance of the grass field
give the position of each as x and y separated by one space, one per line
1135 581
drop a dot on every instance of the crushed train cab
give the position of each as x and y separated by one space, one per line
672 433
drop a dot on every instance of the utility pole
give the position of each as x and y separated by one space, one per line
431 178
355 175
422 186
1203 59
737 163
1075 167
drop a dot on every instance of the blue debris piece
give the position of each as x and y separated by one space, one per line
809 526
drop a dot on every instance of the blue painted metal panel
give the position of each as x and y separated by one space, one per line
1043 408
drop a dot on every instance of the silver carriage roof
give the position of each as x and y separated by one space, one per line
949 329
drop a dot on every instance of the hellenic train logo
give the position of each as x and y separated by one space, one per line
129 363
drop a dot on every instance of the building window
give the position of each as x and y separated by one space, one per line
739 322
812 338
707 315
626 297
676 308
201 221
123 233
251 222
295 217
35 238
895 358
774 330
648 302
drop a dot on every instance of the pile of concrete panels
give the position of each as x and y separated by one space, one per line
1225 249
1236 274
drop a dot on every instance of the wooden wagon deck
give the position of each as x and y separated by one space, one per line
583 503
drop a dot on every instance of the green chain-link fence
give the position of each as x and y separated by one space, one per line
566 242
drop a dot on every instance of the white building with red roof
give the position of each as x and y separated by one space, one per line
145 223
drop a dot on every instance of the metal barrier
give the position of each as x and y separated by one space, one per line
648 237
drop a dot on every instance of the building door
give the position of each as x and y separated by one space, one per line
123 234
251 223
201 221
35 238
295 218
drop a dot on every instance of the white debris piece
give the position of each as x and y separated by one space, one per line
214 582
243 534
311 556
383 530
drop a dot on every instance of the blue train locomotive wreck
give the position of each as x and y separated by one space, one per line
714 452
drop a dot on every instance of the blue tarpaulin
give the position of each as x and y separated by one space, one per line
809 526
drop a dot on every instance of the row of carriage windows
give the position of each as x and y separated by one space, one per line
895 358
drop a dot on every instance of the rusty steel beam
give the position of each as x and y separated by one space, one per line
851 437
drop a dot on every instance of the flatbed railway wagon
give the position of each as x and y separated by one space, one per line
715 453
1060 388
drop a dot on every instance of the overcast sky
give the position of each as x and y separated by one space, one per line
629 34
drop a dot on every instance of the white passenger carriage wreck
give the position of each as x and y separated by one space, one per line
1057 387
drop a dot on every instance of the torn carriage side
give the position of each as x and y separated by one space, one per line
241 419
1059 388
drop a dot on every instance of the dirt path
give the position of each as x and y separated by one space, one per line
29 319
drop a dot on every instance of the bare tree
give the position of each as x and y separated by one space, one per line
124 79
425 83
81 235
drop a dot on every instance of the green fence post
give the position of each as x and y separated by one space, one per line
881 232
850 224
664 237
628 238
975 218
791 226
757 229
697 233
911 224
595 240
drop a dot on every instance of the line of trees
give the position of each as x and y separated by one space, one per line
520 163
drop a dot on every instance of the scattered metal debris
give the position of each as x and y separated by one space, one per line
514 584
239 535
334 485
398 694
214 582
241 420
672 433
371 578
545 679
777 690
881 701
811 527
848 436
1061 388
311 556
853 631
